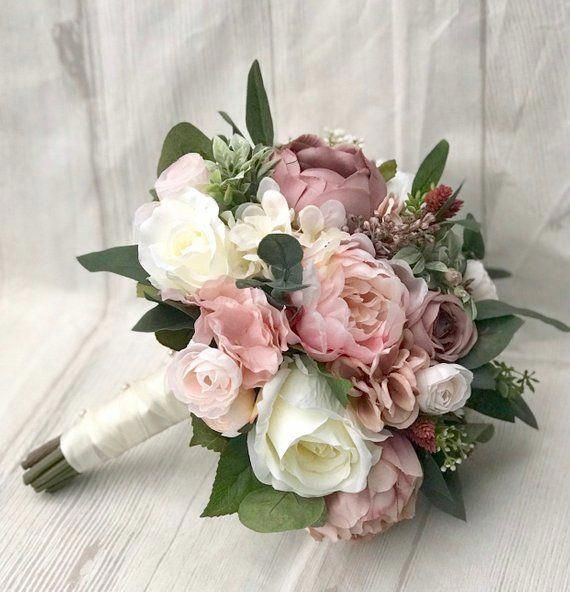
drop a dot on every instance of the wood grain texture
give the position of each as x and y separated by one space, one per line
89 91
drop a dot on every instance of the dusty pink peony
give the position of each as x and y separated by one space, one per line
355 306
443 328
390 496
310 172
204 379
385 393
245 327
188 171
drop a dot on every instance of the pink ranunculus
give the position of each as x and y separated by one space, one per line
390 496
188 171
355 305
310 172
204 379
443 328
245 327
385 393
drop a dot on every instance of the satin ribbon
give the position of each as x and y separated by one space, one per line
142 410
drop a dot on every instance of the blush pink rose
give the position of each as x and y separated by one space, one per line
310 172
355 306
188 171
385 393
390 496
241 412
443 328
245 327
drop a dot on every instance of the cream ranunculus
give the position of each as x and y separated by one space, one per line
481 286
443 388
182 243
304 440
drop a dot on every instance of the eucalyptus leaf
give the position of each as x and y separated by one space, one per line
162 317
493 336
491 403
523 412
176 340
442 489
257 113
490 309
182 139
468 222
205 436
123 261
473 243
268 510
228 119
431 169
479 432
234 479
484 377
281 250
497 274
388 169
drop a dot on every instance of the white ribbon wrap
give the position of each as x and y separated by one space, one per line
142 410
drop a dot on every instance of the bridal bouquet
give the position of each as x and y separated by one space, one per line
335 330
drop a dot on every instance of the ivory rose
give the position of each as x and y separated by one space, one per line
480 285
354 306
189 171
443 388
245 327
443 328
205 379
304 440
310 172
390 496
182 243
385 393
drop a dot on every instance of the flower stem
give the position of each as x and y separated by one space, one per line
47 468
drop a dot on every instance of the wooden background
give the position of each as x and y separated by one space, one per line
88 90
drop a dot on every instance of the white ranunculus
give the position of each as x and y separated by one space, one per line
252 223
182 243
443 388
304 440
189 171
481 286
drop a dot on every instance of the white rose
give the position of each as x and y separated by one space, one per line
304 440
189 171
400 185
205 379
443 388
182 243
481 286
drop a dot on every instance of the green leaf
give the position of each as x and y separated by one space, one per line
257 113
479 432
497 274
388 169
491 309
442 489
431 169
340 387
120 260
205 436
268 510
234 479
176 340
484 377
230 121
523 412
494 335
162 317
468 222
473 244
409 254
491 403
182 139
148 292
280 250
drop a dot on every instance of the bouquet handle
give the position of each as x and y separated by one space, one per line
138 413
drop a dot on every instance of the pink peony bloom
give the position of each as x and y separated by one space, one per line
355 306
245 327
205 379
443 328
385 393
310 172
391 494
